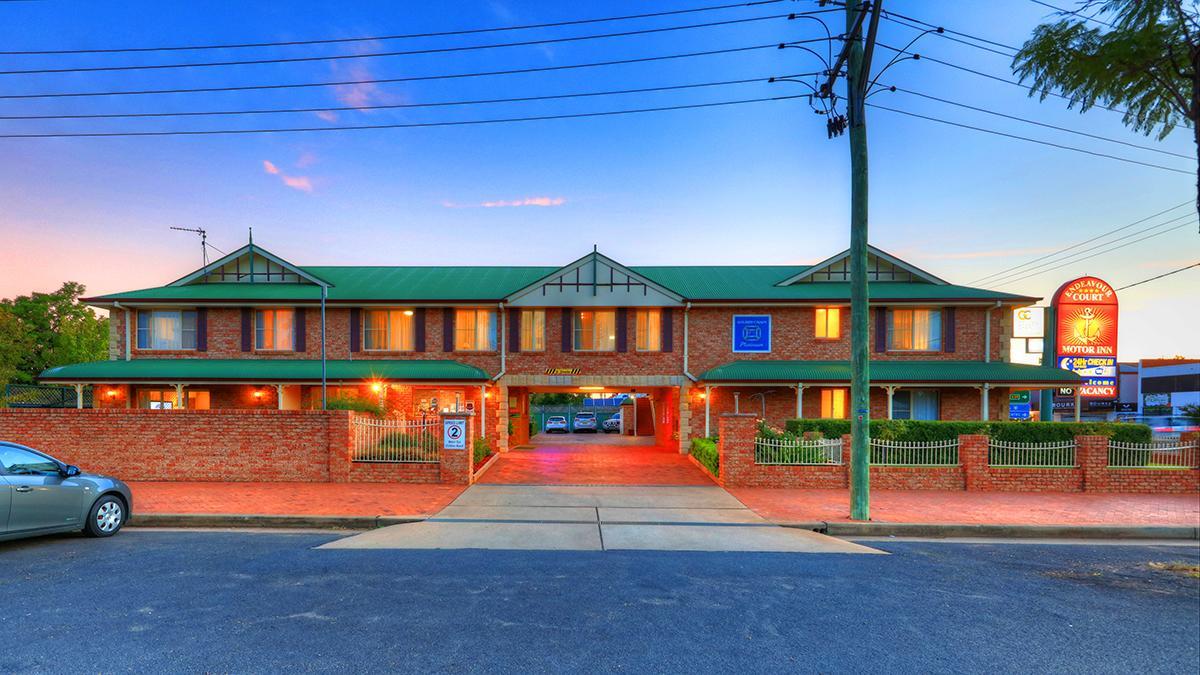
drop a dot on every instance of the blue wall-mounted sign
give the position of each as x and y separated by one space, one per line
1018 411
752 333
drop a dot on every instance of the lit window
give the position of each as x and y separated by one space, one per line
915 404
918 330
596 330
166 329
829 322
833 403
274 329
156 399
474 330
649 330
533 330
389 330
198 400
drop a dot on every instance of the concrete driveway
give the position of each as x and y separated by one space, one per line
597 518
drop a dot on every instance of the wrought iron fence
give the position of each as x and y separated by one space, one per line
1055 455
1154 455
797 451
44 396
914 453
395 441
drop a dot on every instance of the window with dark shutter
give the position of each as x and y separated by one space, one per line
448 329
949 327
568 329
247 329
514 331
201 329
298 332
419 329
881 329
355 329
668 329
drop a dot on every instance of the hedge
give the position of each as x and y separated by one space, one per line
1012 432
481 450
705 452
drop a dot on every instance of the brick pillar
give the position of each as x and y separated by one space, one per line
735 448
973 455
847 453
339 437
1091 453
457 463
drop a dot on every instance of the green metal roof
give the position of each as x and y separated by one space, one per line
470 284
994 372
263 370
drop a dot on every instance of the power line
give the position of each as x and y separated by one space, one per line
1041 124
433 104
1003 272
405 36
411 52
1115 248
899 19
1167 274
411 125
1075 13
415 78
1032 140
1008 278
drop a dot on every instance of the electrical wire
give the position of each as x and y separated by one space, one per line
1041 124
1008 278
405 36
1075 13
1004 272
1167 274
433 104
414 78
1031 140
372 55
946 35
1115 248
410 125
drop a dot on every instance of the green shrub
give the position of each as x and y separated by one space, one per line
356 403
427 445
481 449
705 452
1012 432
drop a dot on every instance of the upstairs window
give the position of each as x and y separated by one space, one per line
533 330
474 330
649 330
389 330
596 330
914 330
829 323
166 329
274 329
833 404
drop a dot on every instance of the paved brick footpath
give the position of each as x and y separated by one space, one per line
293 499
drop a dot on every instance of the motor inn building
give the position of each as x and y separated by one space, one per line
254 331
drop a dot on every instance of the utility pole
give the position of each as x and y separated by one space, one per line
857 58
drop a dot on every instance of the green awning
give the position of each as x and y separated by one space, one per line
263 371
899 372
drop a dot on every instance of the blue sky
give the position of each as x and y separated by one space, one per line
756 183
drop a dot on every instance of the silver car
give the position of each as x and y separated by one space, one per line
41 495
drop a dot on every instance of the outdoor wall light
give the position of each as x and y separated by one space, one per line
408 312
591 388
112 393
258 393
376 387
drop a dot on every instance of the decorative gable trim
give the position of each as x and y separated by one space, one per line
594 280
812 274
274 265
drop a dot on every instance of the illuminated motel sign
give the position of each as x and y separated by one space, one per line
1086 335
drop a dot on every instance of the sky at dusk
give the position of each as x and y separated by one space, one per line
755 183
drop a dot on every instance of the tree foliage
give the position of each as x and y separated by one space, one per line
1144 61
43 330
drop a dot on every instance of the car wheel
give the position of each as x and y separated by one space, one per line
106 517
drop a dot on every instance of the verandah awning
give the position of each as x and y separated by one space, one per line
263 371
892 372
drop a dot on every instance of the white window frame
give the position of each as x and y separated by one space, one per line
389 339
480 343
182 316
260 314
577 330
533 330
641 339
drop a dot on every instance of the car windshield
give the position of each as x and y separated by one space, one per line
558 419
585 416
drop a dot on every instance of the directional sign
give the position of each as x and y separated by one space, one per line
1019 397
1018 411
454 433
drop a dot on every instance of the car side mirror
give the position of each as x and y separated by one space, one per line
70 470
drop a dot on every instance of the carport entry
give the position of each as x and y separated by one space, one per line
643 413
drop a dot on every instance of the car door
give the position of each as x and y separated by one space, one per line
5 500
40 496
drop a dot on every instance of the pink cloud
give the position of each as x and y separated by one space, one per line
327 115
302 183
502 203
270 167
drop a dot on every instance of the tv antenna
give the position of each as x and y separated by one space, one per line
203 240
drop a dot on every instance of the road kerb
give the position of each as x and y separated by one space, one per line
952 530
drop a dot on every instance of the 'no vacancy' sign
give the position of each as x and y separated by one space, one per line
454 434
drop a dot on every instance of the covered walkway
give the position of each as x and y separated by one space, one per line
571 459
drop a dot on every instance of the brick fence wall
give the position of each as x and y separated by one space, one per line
209 445
737 468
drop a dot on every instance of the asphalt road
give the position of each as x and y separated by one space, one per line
248 602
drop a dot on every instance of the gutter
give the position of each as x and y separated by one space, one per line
687 372
128 350
503 342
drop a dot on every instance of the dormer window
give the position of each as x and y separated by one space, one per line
166 329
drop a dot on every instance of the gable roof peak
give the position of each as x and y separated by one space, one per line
915 274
